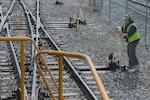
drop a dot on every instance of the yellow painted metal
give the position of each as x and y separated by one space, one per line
46 66
44 78
22 39
58 53
92 68
36 47
49 72
14 38
60 78
22 71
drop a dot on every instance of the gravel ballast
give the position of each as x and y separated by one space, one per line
97 40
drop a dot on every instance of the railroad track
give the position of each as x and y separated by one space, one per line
20 21
9 86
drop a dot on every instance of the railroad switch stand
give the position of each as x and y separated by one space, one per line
59 3
114 64
80 20
71 24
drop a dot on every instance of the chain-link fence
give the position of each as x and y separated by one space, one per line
115 10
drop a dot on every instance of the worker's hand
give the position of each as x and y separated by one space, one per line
122 35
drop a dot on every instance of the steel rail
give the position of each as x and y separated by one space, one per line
21 39
89 94
37 36
15 58
30 26
37 91
37 23
61 54
33 49
1 13
8 12
73 72
55 46
71 68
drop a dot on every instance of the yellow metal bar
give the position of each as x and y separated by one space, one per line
91 65
36 47
46 66
20 39
45 80
58 53
22 70
14 38
60 78
49 72
92 68
97 79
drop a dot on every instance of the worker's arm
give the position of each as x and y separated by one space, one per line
124 35
132 30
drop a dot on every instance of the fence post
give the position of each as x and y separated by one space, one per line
95 7
100 6
90 2
146 21
109 10
127 6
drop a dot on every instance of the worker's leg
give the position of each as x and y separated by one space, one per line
131 51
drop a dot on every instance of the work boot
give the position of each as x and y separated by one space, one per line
132 69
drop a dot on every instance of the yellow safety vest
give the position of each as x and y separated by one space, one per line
135 36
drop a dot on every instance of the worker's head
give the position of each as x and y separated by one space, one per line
127 19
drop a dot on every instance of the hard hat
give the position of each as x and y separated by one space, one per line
127 17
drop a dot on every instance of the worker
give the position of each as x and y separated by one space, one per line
131 33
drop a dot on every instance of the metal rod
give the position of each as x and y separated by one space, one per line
15 58
58 53
146 18
91 66
43 76
127 4
109 10
101 6
22 70
8 12
60 78
37 35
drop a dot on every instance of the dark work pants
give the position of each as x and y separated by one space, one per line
131 51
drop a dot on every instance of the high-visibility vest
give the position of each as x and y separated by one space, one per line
135 36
